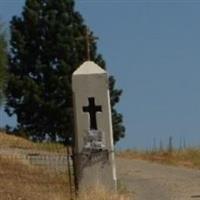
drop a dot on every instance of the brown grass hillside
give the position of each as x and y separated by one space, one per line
21 181
11 141
189 157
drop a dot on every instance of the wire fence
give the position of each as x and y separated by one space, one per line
31 171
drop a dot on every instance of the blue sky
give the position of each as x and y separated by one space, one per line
153 50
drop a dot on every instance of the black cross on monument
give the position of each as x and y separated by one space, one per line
92 109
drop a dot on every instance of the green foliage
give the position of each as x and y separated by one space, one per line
47 45
3 61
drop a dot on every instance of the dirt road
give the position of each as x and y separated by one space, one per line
150 181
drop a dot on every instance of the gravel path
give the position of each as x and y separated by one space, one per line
151 181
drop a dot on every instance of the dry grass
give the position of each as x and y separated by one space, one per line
11 141
20 181
101 194
14 142
189 157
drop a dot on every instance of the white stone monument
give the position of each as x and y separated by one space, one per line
94 149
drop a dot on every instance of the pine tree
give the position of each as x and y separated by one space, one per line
3 61
47 45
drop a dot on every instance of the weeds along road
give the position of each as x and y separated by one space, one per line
151 181
148 181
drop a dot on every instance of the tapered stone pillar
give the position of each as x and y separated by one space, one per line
94 149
